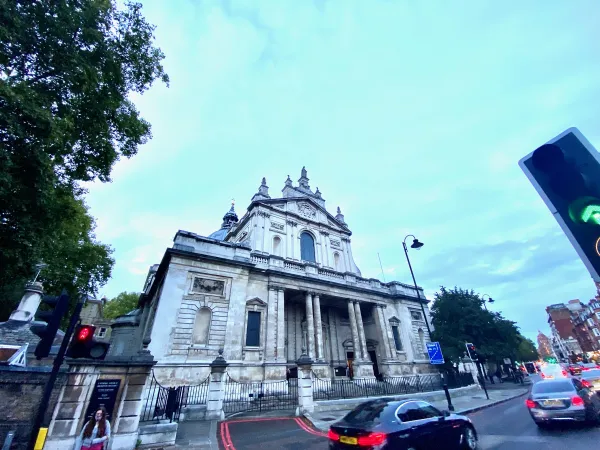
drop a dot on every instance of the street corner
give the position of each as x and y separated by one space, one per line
275 432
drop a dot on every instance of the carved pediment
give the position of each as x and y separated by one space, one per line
255 302
394 319
307 211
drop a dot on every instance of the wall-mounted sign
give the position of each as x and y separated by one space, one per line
104 394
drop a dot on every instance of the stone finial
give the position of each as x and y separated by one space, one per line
263 182
304 359
288 182
318 193
303 181
339 216
263 191
219 364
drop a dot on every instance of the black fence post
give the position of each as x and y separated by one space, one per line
448 399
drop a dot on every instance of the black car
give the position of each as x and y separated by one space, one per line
386 424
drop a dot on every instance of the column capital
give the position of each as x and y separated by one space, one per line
324 233
316 294
382 306
311 293
275 287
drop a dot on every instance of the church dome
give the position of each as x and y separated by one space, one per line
229 220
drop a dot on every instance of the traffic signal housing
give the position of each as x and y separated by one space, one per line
472 351
48 321
84 344
566 173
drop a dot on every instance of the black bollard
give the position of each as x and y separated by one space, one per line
448 399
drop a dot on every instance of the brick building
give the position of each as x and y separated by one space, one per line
564 342
544 345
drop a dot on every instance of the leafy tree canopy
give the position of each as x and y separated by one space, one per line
459 317
120 305
67 69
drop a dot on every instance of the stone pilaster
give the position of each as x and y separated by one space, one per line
318 327
280 355
382 328
310 326
361 331
354 330
271 341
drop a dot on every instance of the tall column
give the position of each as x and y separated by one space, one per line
361 331
280 325
271 341
345 255
325 245
288 239
310 324
318 327
354 329
383 330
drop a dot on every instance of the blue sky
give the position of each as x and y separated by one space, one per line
410 116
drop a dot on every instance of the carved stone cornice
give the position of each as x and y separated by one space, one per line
263 214
292 223
324 233
345 239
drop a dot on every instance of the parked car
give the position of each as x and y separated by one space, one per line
574 369
567 399
401 425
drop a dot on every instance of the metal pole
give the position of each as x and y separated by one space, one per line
417 289
482 380
54 374
448 399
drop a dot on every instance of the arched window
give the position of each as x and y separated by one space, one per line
307 247
336 261
202 326
276 245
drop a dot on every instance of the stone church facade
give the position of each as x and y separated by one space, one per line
265 286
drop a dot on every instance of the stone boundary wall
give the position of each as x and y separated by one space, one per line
21 389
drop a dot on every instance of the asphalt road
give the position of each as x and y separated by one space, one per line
507 426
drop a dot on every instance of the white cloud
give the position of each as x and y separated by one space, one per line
410 116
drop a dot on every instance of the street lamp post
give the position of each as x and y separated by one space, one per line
416 245
490 300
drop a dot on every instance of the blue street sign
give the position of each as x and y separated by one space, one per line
435 353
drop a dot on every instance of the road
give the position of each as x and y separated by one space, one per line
503 427
509 426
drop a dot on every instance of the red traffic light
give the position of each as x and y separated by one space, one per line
85 333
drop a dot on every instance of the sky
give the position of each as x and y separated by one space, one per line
409 116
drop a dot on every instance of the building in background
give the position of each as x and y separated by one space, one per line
91 314
586 326
564 342
277 282
544 345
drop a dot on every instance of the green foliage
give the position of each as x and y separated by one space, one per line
67 69
527 351
459 317
120 305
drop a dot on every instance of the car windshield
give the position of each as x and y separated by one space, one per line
591 374
367 413
552 386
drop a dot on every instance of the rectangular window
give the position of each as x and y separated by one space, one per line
253 329
102 332
590 322
598 315
397 340
596 332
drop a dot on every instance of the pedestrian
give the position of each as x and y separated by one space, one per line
95 432
499 374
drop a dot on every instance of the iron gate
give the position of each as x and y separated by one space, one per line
162 403
259 396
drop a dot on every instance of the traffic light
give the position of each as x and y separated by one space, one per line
472 351
84 345
566 173
52 317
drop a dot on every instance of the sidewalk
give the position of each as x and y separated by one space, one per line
498 393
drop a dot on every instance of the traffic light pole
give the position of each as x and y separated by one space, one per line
54 374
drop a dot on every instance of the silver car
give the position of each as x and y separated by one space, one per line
566 399
591 379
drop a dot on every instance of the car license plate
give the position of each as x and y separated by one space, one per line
552 403
348 440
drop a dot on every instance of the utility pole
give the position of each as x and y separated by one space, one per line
54 374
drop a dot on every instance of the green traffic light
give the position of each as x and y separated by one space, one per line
585 210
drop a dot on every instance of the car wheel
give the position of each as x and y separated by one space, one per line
469 438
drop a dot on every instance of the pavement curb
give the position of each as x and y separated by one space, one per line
489 405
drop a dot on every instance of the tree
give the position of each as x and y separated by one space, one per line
67 69
120 305
526 350
459 317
